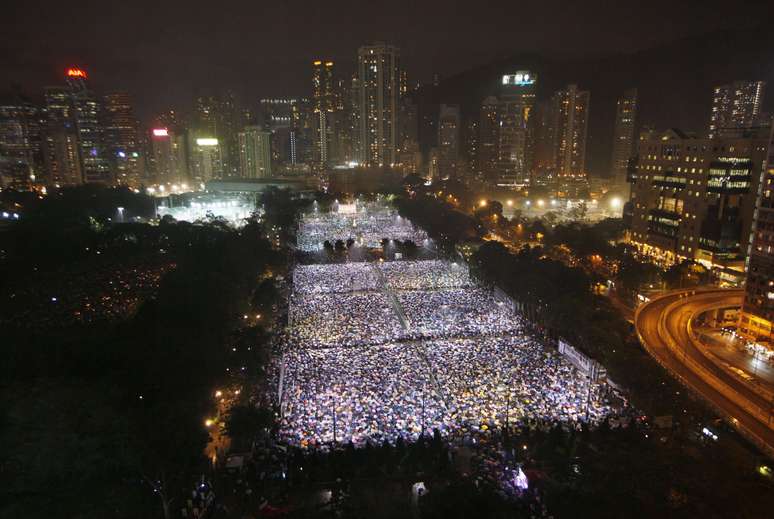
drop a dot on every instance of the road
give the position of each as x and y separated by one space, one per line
663 328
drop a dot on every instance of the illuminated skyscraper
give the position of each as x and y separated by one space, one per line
85 115
323 107
409 156
169 160
515 128
569 121
757 316
736 105
623 135
205 115
448 140
21 158
206 163
60 144
379 85
486 158
221 117
255 152
121 139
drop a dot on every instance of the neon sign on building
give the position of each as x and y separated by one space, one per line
76 72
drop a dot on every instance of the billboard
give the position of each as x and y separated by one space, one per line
206 141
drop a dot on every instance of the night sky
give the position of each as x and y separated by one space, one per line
163 51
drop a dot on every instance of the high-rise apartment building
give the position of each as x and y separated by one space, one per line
60 143
694 198
378 85
623 135
121 139
569 126
168 155
21 157
409 156
757 317
448 141
206 163
220 117
735 106
515 128
486 157
324 108
255 152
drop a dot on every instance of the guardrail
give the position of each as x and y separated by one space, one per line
763 392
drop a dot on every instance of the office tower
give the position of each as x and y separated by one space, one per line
472 150
276 116
85 114
379 84
514 126
623 135
344 137
323 107
21 157
121 139
206 163
255 152
275 113
486 159
448 140
757 317
220 117
205 115
354 121
408 154
229 123
60 144
694 198
73 147
736 105
168 157
303 125
569 123
544 161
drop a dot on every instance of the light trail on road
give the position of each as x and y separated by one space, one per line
662 325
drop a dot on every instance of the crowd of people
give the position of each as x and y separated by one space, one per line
342 320
459 360
389 351
426 275
462 387
367 226
377 393
457 313
335 278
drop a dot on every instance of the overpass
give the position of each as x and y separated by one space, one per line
665 328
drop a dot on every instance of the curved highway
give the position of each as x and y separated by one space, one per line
662 325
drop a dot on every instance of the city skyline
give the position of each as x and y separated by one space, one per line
138 56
